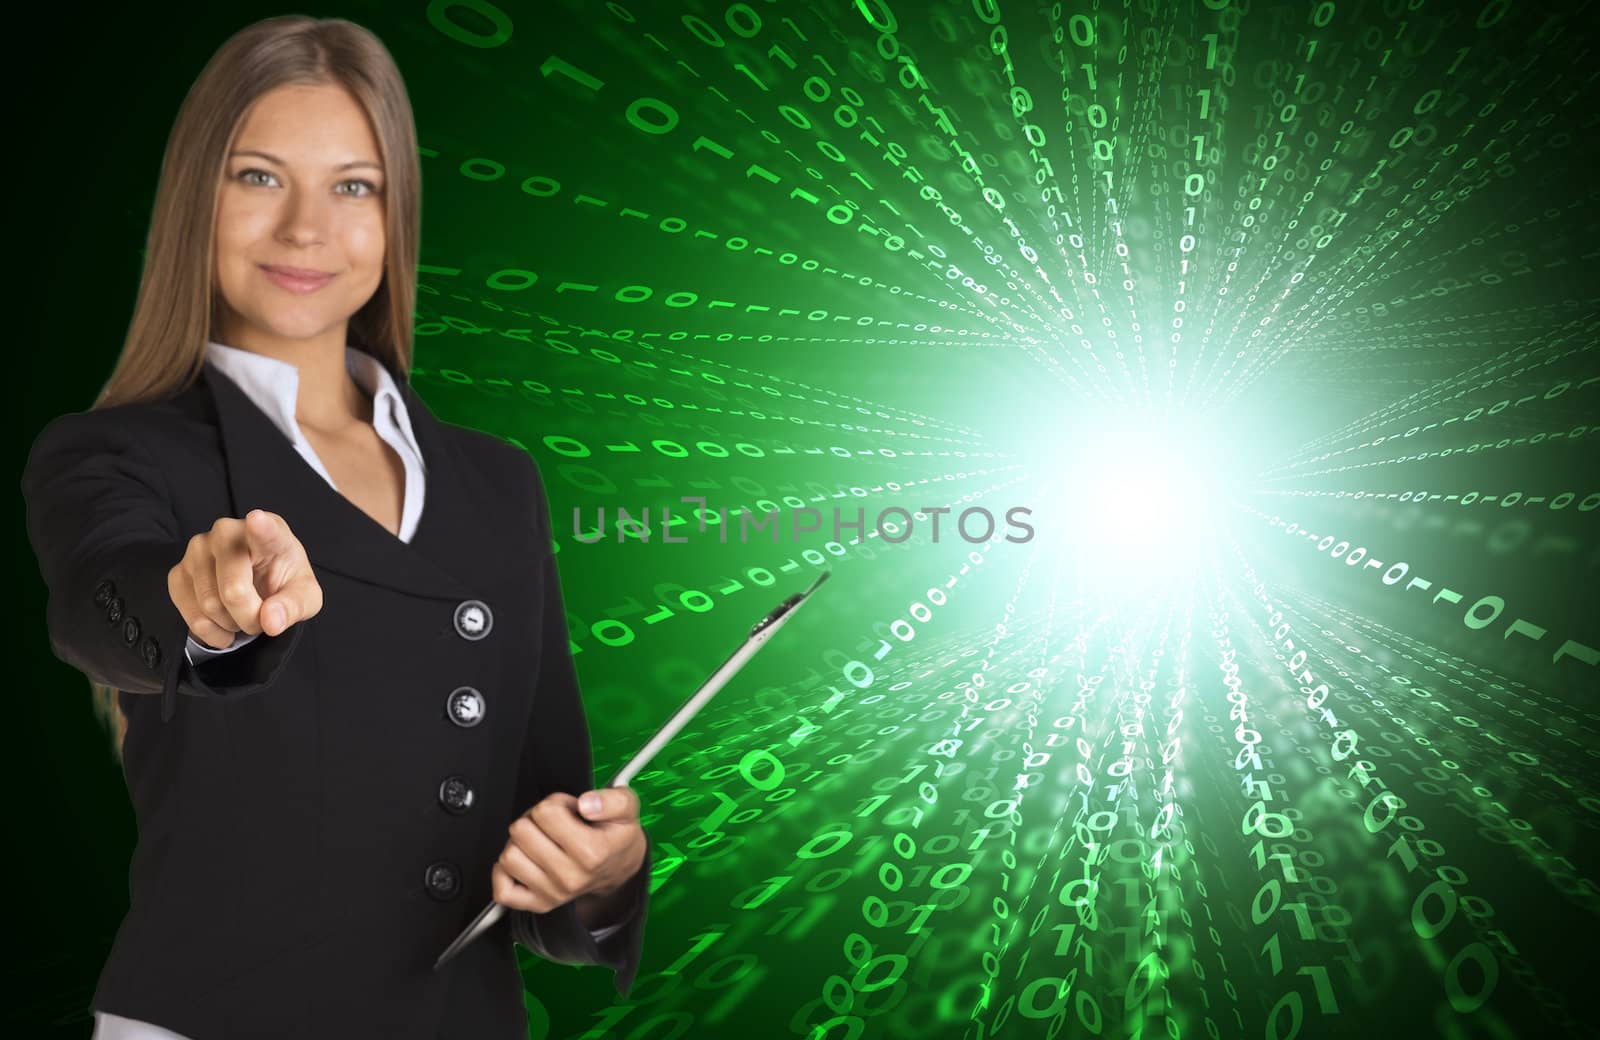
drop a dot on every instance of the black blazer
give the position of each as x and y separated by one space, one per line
299 866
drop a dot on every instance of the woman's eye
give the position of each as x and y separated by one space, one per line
247 174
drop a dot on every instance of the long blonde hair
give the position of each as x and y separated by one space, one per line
164 352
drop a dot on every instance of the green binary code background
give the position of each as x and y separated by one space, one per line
1275 322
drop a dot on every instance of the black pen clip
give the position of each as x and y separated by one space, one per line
789 604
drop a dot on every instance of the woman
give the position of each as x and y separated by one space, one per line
335 622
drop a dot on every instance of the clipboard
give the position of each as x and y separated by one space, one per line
760 633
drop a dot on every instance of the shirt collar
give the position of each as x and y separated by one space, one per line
274 386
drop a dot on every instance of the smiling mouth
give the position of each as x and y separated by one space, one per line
296 279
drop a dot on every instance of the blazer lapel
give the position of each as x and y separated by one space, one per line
446 557
474 533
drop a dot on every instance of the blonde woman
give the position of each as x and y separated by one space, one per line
327 625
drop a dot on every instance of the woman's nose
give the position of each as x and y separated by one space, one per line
304 217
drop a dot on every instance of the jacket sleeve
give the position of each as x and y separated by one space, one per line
557 757
102 525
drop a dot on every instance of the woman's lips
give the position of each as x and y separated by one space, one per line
296 279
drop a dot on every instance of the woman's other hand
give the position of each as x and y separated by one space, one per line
249 575
558 852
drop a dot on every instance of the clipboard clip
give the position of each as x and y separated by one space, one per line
787 605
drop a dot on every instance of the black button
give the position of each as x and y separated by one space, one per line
104 591
151 652
473 619
114 610
130 630
456 795
464 706
442 880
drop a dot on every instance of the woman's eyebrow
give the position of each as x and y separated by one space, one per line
273 158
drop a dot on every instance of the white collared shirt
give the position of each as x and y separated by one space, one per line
274 386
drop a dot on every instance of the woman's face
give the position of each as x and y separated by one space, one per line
302 188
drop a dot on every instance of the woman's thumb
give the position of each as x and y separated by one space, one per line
274 617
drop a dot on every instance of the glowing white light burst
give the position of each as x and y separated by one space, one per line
1136 504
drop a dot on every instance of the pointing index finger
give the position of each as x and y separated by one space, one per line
266 534
233 577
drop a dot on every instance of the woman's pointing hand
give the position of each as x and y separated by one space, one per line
249 575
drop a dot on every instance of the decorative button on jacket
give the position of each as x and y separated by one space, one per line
299 866
465 707
456 795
